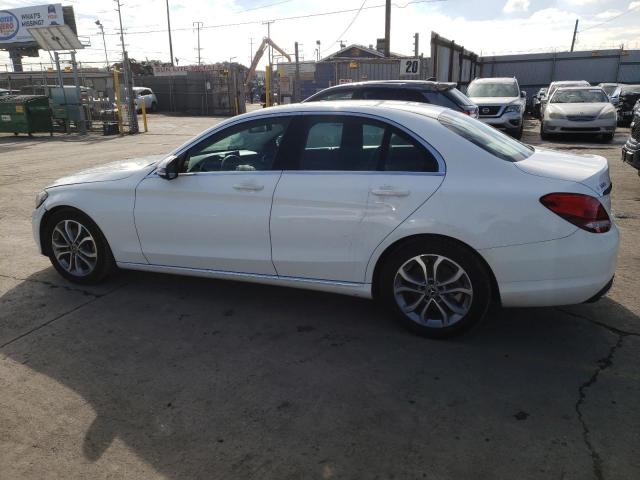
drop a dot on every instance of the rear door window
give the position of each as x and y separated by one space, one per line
405 95
404 154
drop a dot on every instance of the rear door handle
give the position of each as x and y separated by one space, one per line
250 187
387 191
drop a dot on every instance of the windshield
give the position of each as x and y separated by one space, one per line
595 95
630 89
609 89
498 89
486 137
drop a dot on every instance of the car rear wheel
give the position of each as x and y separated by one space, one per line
154 107
77 249
436 288
607 137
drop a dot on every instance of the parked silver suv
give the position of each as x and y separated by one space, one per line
500 102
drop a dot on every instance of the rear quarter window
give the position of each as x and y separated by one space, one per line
486 137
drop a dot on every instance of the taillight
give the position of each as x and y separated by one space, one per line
583 211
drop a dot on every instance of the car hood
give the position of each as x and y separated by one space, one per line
109 171
590 109
589 170
494 100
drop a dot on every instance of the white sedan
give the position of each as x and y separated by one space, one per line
428 210
581 110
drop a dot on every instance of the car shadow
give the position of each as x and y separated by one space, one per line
213 379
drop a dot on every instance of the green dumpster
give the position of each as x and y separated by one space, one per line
25 114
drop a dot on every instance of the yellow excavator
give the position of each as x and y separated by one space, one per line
254 64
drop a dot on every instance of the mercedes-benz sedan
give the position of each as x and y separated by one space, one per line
428 210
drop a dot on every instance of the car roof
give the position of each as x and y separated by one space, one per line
579 87
417 84
494 80
570 82
372 107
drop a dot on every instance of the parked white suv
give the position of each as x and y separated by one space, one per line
500 102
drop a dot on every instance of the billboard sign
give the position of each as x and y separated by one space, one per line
15 22
159 71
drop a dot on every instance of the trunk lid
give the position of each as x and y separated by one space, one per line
589 170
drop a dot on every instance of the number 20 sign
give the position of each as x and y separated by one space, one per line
410 66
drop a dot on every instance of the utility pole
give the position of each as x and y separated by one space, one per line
169 28
269 86
198 26
416 45
387 29
128 84
106 57
296 86
250 50
318 50
575 32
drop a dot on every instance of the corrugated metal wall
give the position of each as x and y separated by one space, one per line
535 71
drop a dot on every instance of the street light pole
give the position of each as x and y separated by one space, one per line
104 42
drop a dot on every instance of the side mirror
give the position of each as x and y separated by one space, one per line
168 168
523 94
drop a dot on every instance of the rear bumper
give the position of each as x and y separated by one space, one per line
565 271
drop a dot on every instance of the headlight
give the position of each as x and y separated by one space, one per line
555 115
41 197
512 108
608 115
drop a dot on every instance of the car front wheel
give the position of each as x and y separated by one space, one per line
77 249
436 288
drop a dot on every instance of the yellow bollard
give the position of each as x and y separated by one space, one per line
116 87
144 115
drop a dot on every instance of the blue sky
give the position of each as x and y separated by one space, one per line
483 26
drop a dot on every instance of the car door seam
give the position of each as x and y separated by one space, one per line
135 225
273 196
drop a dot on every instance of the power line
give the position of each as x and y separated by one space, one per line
281 19
631 10
346 29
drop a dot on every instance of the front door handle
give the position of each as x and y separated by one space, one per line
251 187
388 191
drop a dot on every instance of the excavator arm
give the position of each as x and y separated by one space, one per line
259 52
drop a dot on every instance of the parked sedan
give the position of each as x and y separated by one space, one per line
432 212
146 96
583 110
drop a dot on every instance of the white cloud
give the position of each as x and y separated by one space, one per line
516 6
581 3
633 5
608 14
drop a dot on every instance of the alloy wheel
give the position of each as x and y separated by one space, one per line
74 248
433 291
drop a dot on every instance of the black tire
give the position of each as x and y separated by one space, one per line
104 262
457 255
543 135
154 107
518 133
607 137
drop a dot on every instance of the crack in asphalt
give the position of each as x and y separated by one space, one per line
602 365
53 285
58 317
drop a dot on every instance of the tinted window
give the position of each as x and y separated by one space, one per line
250 146
405 95
341 143
340 94
359 144
485 136
498 89
406 155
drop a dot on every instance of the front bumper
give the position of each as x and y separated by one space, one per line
564 125
507 121
36 220
565 271
631 153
